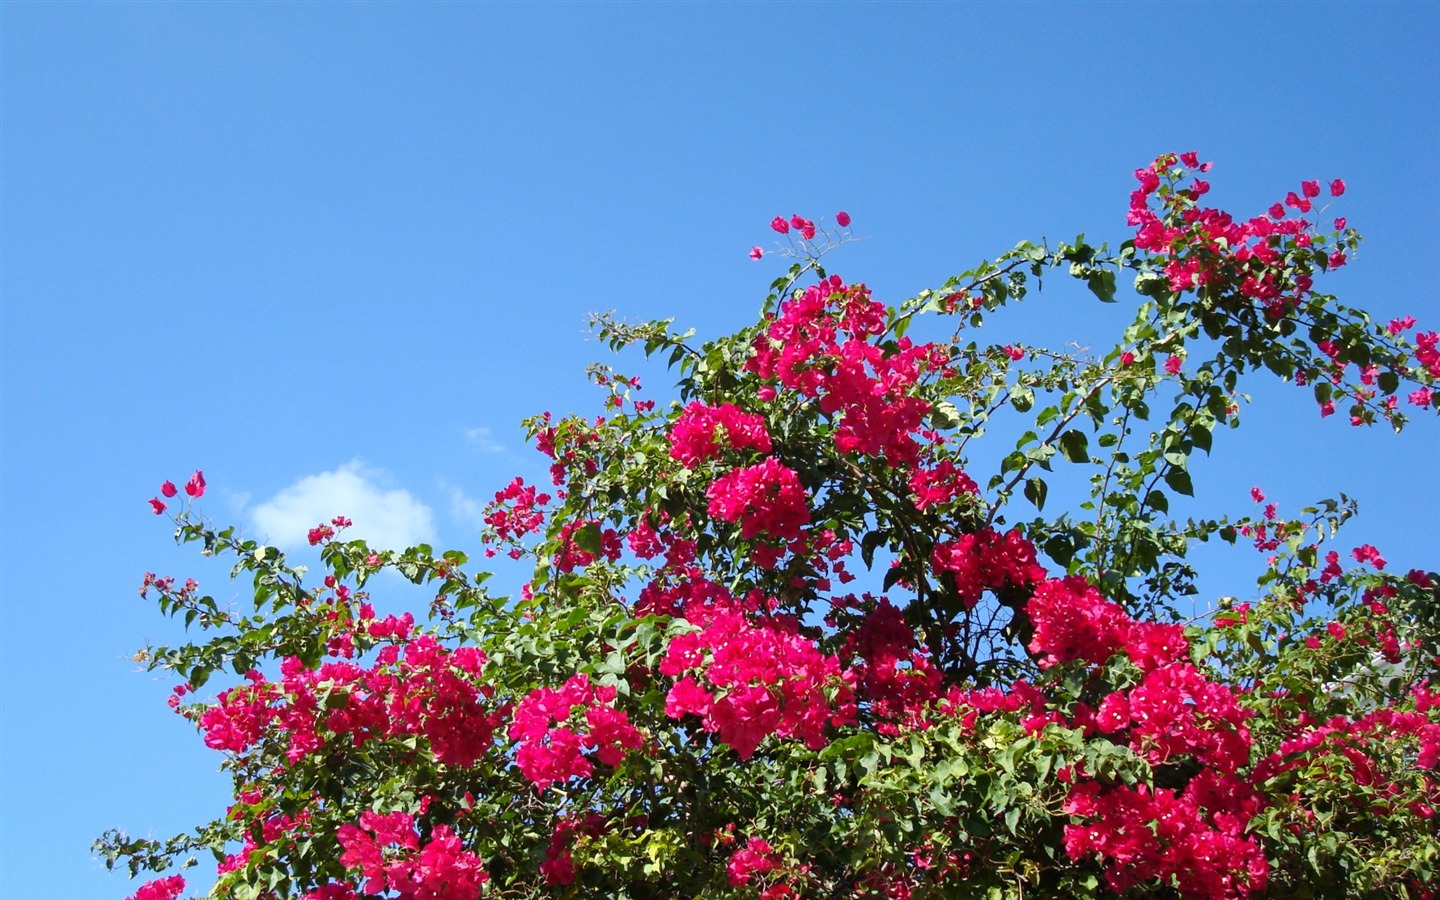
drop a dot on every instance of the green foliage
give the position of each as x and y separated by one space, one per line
981 731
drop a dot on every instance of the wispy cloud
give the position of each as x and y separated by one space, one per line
482 440
464 508
236 500
384 516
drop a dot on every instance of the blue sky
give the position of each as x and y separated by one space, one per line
332 254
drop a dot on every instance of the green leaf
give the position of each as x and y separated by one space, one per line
1041 455
1200 437
587 538
892 576
1157 501
1035 491
940 799
1179 482
1102 285
1151 284
848 746
868 545
1012 819
943 414
1011 462
1022 398
1074 446
1060 548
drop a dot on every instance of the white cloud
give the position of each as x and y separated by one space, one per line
236 500
483 440
386 518
464 508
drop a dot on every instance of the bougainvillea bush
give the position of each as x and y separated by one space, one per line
785 636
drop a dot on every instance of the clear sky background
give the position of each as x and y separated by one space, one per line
332 254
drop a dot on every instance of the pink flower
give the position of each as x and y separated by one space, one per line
161 889
1072 621
940 484
780 225
1173 364
611 734
704 432
1398 325
195 487
1191 159
842 218
756 857
1127 359
1368 553
440 870
1310 188
1114 713
167 490
987 559
687 696
157 504
756 253
1340 224
1337 187
1015 353
765 499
